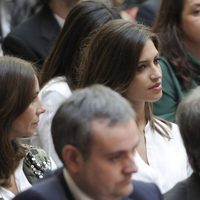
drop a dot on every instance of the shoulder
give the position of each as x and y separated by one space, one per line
167 68
164 63
49 188
187 189
32 25
151 191
36 164
179 191
58 85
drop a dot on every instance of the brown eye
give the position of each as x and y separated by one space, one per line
156 61
141 67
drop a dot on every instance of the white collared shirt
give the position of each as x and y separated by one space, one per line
168 162
52 95
75 190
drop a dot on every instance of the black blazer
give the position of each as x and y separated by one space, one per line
188 189
55 188
33 39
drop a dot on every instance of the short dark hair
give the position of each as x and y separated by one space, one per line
188 119
72 122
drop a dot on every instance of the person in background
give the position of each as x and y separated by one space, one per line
33 39
58 75
188 119
20 165
179 31
124 56
14 12
147 12
95 135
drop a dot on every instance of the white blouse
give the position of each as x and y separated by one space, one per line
52 95
21 182
168 162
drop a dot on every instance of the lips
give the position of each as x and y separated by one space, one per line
36 123
157 85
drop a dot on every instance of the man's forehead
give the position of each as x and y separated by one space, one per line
118 135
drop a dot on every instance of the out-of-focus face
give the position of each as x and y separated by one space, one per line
27 122
106 174
190 22
146 84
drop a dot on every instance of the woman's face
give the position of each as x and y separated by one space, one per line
146 84
190 22
26 123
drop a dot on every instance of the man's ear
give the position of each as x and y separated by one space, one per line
72 158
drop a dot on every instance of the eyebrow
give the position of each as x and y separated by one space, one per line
144 61
195 4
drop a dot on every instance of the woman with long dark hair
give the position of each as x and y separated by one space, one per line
124 56
179 32
20 108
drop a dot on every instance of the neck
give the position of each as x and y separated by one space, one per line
141 116
193 48
60 8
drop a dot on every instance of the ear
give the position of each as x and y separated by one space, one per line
72 158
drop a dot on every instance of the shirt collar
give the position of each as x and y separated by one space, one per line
60 20
75 190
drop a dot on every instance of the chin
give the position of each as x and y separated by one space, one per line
127 191
154 99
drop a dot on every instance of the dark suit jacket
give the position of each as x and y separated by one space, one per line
188 189
33 39
55 188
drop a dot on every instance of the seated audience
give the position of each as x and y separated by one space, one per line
20 108
147 12
33 39
188 119
124 56
58 75
95 135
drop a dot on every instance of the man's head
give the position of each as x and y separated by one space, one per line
95 135
188 119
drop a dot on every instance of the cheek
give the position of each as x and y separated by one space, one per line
135 87
107 172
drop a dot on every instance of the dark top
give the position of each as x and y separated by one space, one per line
33 39
188 189
55 188
173 92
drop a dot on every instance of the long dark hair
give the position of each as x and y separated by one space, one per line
81 20
17 79
168 27
111 57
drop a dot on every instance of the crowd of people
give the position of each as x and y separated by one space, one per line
99 100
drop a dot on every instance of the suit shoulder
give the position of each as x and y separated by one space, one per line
146 191
49 188
177 192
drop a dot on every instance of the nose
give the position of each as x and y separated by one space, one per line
156 72
40 108
131 166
